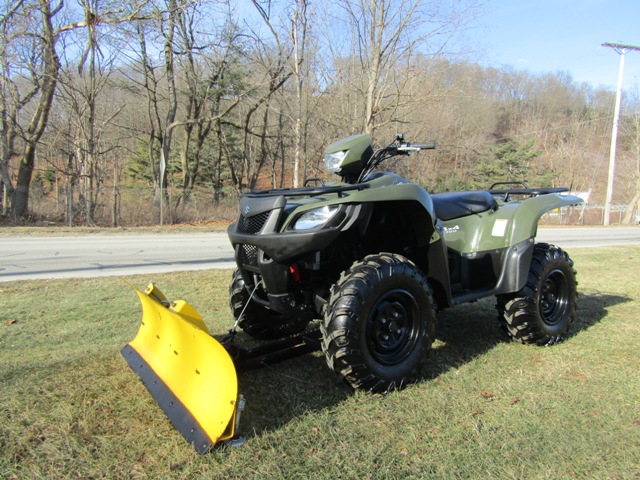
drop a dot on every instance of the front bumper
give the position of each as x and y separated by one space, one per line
271 257
279 247
282 260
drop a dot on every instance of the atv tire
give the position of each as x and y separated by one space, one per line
258 321
541 313
379 322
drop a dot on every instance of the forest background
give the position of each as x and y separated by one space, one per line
121 113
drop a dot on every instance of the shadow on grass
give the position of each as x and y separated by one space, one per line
464 332
592 308
470 330
282 393
276 395
279 394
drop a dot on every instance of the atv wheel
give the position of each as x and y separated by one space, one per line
541 313
258 321
379 322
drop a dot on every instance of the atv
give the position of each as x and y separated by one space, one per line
373 257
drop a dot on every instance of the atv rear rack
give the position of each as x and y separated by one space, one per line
506 193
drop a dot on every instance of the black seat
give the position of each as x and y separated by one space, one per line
452 205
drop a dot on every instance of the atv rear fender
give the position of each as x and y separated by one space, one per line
510 224
499 242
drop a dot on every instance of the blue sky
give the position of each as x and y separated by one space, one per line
563 35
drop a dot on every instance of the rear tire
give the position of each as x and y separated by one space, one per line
257 320
379 323
542 312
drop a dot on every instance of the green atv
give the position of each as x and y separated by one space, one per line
375 256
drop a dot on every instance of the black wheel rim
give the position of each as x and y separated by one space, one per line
393 327
554 297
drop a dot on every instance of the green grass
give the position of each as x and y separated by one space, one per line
71 408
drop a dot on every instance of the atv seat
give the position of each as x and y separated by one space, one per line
452 205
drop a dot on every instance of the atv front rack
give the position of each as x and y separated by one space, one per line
306 191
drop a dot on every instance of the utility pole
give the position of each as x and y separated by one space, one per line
622 50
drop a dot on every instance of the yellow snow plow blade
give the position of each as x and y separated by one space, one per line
189 374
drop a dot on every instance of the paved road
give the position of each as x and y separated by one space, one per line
583 237
23 258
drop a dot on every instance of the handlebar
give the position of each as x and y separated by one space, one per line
398 147
416 147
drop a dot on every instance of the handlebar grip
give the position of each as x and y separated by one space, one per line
425 146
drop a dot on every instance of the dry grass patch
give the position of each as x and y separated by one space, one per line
486 408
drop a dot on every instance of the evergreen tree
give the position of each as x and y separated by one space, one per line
508 162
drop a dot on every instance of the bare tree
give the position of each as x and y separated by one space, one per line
80 88
168 28
272 60
632 127
231 94
299 22
39 17
212 89
386 35
19 84
48 78
203 97
160 126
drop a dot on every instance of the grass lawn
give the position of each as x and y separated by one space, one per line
70 407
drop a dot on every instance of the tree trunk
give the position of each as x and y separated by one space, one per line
20 204
634 205
299 36
187 181
167 135
115 210
70 173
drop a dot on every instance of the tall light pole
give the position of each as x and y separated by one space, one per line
621 49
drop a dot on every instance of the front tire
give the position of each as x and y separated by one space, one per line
258 321
379 322
542 312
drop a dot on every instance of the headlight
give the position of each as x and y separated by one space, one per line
315 218
333 161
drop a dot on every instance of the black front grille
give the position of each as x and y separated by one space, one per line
248 255
254 223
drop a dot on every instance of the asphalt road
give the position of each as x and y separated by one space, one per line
25 258
584 237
